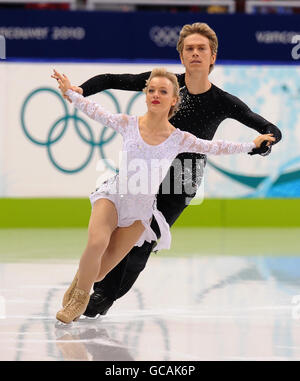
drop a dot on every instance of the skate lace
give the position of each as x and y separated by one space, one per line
75 303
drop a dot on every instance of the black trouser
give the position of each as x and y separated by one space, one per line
122 277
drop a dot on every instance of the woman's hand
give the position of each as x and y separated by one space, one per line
64 83
261 138
77 89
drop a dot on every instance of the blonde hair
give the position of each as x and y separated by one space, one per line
202 29
162 72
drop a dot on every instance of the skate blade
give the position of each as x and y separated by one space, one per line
87 318
60 324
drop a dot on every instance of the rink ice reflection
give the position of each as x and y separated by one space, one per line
193 308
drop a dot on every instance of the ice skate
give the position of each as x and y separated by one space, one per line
75 307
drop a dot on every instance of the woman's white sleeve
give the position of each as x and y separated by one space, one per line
118 122
191 143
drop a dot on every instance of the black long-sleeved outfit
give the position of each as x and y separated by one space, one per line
199 114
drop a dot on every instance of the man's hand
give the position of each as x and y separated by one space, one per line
263 150
263 145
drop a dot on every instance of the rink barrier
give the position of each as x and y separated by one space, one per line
75 212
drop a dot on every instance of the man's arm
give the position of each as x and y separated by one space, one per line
241 112
131 82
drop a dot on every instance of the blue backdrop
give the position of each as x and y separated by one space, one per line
144 35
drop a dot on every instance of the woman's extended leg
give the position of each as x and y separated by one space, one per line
103 222
121 242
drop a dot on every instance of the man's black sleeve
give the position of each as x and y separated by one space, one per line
239 111
131 82
242 113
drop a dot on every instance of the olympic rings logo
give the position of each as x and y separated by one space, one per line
165 36
106 135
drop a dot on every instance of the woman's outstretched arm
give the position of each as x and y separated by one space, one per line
191 143
93 110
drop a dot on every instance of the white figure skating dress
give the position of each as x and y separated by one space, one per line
133 190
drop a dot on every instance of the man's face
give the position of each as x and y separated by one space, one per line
196 55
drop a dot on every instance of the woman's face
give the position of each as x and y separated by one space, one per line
160 95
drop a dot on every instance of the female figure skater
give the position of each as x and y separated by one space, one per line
121 217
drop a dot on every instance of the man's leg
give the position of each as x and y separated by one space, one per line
136 262
111 283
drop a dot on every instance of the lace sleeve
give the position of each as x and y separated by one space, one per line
118 122
191 143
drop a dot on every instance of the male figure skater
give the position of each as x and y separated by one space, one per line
203 107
